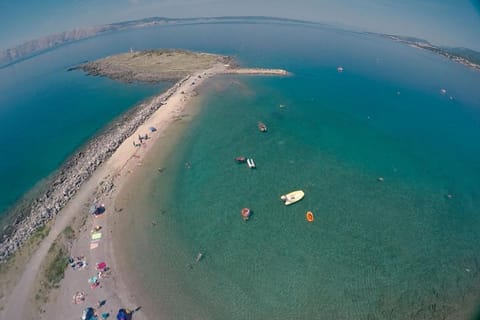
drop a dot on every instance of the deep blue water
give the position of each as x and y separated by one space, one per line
400 249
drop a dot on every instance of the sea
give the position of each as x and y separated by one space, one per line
389 163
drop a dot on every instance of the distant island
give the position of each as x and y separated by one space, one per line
465 56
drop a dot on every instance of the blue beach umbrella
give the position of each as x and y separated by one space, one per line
122 314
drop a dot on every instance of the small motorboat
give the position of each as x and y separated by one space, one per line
340 69
240 159
292 197
250 163
246 213
262 127
309 216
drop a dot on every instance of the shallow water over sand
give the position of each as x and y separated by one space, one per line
397 249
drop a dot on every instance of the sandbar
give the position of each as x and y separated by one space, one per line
103 186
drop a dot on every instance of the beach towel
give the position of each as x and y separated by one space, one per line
97 236
79 297
93 245
101 265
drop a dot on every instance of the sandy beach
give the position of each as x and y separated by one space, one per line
90 246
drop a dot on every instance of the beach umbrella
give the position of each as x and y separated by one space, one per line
97 209
100 209
152 129
122 314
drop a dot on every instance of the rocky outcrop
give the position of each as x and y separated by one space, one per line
152 66
68 180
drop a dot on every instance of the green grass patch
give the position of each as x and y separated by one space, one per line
69 233
56 268
38 235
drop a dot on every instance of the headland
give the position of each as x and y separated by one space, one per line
94 174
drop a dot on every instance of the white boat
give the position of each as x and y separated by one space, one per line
262 127
250 163
292 197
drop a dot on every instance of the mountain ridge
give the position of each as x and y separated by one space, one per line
33 47
465 56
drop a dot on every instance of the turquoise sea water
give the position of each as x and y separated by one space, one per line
400 249
46 113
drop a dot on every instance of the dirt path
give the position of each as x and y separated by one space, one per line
18 299
18 304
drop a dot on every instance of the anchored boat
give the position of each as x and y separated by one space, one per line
246 213
240 159
251 164
292 197
262 127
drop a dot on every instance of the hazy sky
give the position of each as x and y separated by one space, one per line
444 22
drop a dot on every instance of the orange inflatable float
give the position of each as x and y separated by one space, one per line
309 216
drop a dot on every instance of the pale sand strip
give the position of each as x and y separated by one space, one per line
258 71
115 170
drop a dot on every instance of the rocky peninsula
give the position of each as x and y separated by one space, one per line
153 65
144 66
96 173
165 65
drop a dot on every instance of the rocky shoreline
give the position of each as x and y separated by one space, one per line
80 167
